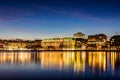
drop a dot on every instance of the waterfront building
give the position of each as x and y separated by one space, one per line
79 35
52 43
77 42
33 45
2 45
29 44
15 45
37 44
97 42
69 43
80 43
115 42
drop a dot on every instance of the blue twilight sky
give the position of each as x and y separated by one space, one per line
38 19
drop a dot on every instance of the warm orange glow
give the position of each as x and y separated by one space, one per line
63 59
97 59
51 60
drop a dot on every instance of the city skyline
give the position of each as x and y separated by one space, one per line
71 36
39 19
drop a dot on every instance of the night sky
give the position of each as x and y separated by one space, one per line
38 19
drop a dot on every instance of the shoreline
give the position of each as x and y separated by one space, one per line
62 50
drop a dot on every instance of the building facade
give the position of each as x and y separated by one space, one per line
33 44
69 43
2 45
115 42
15 45
97 42
52 43
79 35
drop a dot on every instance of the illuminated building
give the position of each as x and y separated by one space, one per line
2 45
69 43
29 44
77 42
79 35
37 43
33 45
97 42
80 44
115 42
52 43
16 45
80 41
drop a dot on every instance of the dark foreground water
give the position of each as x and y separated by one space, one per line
59 64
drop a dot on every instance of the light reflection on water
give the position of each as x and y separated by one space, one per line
86 63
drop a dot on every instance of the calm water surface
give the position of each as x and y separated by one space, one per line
59 64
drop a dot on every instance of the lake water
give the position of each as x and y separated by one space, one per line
59 64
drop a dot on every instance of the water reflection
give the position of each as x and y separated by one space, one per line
51 60
14 58
97 62
78 62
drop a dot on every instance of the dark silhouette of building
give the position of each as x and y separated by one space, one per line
97 42
115 42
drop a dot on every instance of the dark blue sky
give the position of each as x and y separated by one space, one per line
37 19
